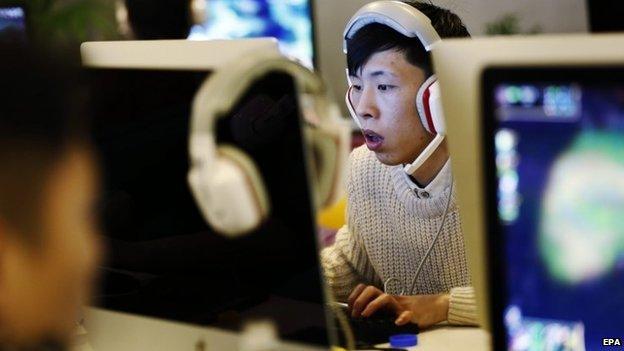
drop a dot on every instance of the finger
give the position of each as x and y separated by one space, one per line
404 318
369 294
381 302
355 293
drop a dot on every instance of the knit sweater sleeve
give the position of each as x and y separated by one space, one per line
345 264
462 306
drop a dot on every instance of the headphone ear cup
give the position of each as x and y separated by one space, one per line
237 200
428 104
252 175
435 107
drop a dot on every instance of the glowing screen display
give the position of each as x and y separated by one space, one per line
559 171
12 24
289 21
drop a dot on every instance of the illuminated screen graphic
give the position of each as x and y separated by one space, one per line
289 21
12 24
559 170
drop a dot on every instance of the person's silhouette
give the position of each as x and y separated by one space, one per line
163 19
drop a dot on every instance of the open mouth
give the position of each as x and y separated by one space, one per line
373 140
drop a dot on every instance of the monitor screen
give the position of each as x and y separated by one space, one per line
289 21
12 24
164 261
554 146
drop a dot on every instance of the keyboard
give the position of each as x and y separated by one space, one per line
376 330
373 330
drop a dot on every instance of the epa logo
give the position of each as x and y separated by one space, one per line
611 342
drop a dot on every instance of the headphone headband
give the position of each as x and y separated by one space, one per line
221 92
224 180
399 16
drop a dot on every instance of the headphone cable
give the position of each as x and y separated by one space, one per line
435 239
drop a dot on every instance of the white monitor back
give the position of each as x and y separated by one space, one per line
172 54
459 64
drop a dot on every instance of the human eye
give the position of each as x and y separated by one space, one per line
357 87
384 87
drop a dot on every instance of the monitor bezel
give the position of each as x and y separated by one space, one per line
491 77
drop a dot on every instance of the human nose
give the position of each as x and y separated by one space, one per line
365 104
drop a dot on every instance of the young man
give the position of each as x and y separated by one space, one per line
48 249
392 216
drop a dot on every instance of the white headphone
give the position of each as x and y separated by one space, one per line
410 22
224 180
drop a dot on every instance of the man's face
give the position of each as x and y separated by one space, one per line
43 286
384 99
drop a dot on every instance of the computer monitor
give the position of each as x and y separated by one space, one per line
12 23
164 260
554 170
460 65
290 21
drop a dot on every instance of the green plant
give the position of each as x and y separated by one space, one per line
508 24
71 21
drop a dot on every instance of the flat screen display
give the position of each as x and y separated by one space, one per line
554 146
289 21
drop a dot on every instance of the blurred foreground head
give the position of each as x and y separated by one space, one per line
162 19
48 246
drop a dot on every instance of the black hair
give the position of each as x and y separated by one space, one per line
161 19
376 37
42 111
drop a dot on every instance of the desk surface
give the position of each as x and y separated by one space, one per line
114 331
446 337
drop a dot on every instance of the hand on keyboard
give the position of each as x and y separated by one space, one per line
376 329
423 310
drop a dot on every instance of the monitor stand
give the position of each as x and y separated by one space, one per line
106 330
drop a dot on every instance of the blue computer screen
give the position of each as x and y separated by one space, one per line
12 24
559 165
290 21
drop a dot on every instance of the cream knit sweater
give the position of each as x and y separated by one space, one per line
388 231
